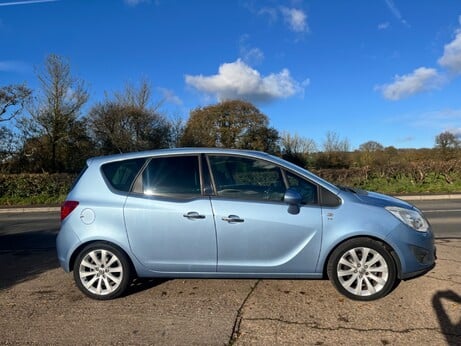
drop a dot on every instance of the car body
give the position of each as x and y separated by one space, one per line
221 213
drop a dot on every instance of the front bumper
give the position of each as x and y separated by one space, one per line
423 257
414 252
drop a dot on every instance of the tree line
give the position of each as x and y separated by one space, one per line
46 131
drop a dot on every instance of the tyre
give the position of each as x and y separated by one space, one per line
102 271
362 269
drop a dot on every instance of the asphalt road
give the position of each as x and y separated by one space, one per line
40 303
444 216
29 231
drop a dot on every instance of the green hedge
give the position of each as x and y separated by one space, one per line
29 189
409 178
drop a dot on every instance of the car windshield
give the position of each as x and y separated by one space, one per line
352 189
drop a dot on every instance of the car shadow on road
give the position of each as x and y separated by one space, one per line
26 255
450 329
143 284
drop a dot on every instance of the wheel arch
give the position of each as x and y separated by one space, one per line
395 257
79 249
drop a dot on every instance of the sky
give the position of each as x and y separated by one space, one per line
367 70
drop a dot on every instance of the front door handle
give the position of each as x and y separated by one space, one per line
193 215
233 219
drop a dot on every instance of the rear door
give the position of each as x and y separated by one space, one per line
169 223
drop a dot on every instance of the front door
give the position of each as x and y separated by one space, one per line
255 231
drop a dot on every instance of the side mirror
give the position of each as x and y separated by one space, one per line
293 198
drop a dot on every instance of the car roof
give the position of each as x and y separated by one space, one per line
176 151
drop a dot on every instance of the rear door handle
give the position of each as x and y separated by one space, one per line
193 215
233 219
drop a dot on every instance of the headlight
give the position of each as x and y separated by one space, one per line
410 217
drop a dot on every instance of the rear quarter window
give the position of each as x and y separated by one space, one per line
74 183
121 174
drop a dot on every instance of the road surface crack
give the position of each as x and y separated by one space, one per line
238 318
447 259
445 280
448 243
316 326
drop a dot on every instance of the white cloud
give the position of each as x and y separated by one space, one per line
421 79
135 2
237 80
406 139
383 26
456 131
435 121
451 58
270 12
396 12
250 55
14 3
296 19
169 96
444 119
14 66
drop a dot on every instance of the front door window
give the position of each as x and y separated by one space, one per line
249 179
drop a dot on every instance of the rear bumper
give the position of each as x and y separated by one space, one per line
66 242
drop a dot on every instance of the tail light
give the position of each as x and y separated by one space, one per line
67 207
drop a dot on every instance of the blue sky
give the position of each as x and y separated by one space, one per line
382 70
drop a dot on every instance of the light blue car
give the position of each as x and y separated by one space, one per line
218 213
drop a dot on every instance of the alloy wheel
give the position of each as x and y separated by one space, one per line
362 271
101 272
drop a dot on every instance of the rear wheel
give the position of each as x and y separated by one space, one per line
102 271
362 269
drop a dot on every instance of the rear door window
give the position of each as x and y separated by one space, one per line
176 176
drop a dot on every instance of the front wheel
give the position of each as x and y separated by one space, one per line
102 271
362 269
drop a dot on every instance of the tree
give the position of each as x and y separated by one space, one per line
177 127
229 124
447 143
333 143
335 152
391 155
7 146
128 122
136 97
371 146
446 140
369 153
12 100
297 149
54 113
262 139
